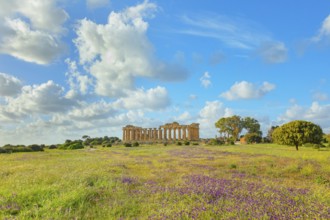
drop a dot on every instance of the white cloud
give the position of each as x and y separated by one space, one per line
316 113
45 99
319 96
97 3
31 30
119 51
324 32
152 99
9 85
273 52
235 32
209 115
184 118
247 90
205 80
79 83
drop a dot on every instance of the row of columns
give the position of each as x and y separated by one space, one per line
164 133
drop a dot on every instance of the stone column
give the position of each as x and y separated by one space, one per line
150 134
140 134
165 133
144 134
169 134
197 130
184 132
189 133
180 137
154 134
174 134
160 136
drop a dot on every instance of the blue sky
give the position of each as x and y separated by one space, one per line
70 68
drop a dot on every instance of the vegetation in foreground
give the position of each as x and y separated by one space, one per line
176 182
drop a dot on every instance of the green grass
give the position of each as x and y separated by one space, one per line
177 182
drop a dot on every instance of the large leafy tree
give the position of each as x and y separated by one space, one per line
297 133
230 126
251 125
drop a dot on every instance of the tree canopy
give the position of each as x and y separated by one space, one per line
230 126
251 125
297 133
233 126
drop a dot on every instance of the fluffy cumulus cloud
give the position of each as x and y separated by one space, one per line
152 99
324 32
247 90
209 114
9 85
45 99
273 52
118 52
79 83
316 113
205 80
97 3
31 30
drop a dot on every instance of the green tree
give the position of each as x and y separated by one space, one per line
230 126
251 125
270 132
297 133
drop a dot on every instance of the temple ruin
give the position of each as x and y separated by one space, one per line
168 132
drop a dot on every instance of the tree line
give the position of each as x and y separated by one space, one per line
295 133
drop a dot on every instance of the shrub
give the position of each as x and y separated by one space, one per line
135 144
35 147
233 166
75 146
179 143
315 146
195 143
52 146
165 144
215 142
127 144
186 143
108 145
3 151
252 138
72 145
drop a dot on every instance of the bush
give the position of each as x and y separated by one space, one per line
179 143
35 147
165 144
195 143
127 144
72 145
20 148
52 146
75 146
315 146
136 144
215 142
252 138
186 143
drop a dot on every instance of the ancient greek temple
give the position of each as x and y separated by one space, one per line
168 132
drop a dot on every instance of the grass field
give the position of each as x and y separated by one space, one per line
167 182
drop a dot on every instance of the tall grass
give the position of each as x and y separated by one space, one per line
176 182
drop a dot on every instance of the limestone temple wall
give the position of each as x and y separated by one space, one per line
168 132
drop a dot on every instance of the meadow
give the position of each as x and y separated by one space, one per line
264 181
